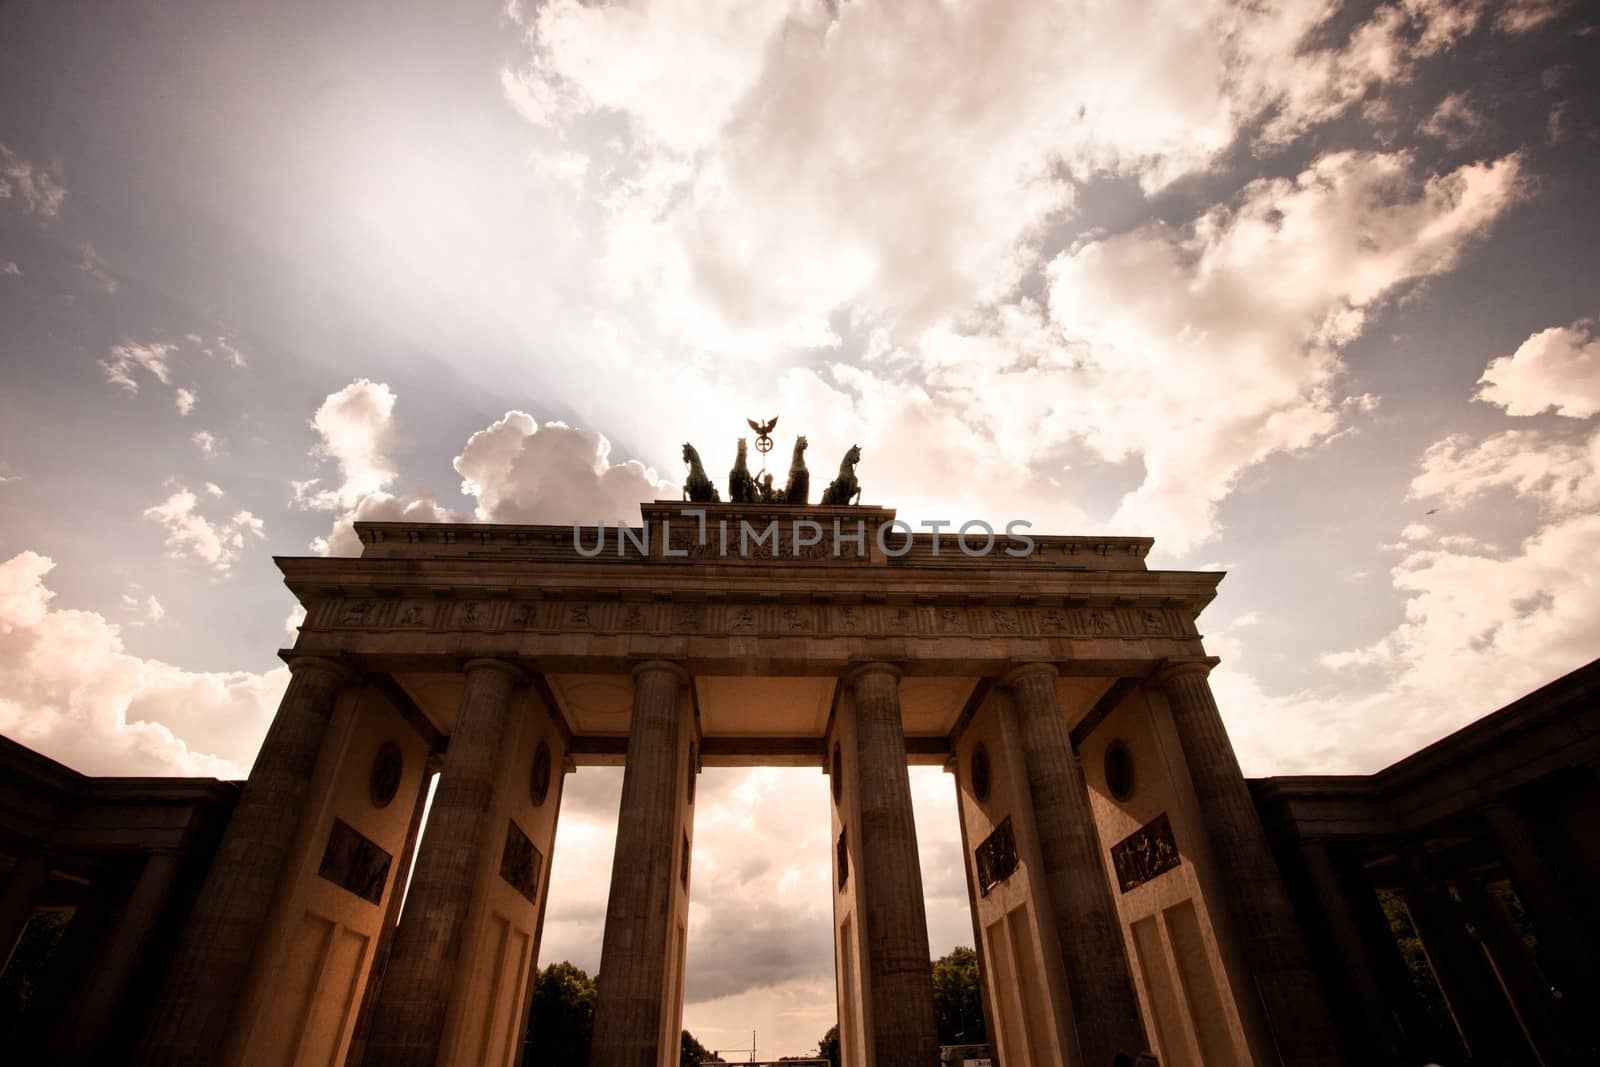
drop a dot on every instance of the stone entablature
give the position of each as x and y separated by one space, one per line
1555 727
422 591
556 542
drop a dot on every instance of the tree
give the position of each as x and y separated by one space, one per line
828 1047
957 1000
692 1052
561 1017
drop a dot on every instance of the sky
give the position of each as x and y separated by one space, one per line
1306 291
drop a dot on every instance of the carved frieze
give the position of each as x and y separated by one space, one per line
354 862
766 619
520 863
1145 854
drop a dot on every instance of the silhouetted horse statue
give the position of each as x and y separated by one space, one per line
845 489
697 487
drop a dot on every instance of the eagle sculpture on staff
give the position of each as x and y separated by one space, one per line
763 437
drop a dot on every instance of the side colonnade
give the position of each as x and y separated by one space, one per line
298 951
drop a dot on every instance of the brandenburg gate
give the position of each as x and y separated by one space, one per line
1123 897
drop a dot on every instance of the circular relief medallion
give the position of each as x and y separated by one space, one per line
980 771
539 777
694 759
1119 770
837 775
384 781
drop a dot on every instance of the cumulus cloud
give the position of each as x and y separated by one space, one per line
132 362
1480 628
206 442
130 358
70 690
516 470
191 535
36 190
1456 121
771 173
1559 476
522 472
1200 349
1555 368
355 430
10 269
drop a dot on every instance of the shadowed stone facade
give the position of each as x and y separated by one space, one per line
1124 895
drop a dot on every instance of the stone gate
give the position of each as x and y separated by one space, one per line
1123 897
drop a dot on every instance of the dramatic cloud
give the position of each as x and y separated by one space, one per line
1200 350
190 535
36 190
516 470
69 690
1481 626
1556 368
521 472
771 173
355 431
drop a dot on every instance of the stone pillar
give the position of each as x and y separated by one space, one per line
408 1022
108 981
1105 1008
1531 999
1562 937
1481 1013
895 925
1378 1034
23 885
637 949
1263 918
213 958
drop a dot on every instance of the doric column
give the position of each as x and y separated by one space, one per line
1562 938
1263 918
1377 1036
1481 1013
1105 1008
1531 999
22 889
105 985
634 954
213 958
895 919
409 1019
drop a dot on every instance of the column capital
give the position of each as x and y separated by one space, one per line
667 665
862 670
491 663
342 672
1178 668
1020 671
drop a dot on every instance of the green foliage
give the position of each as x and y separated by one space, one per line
28 965
828 1047
691 1052
957 1000
561 1018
